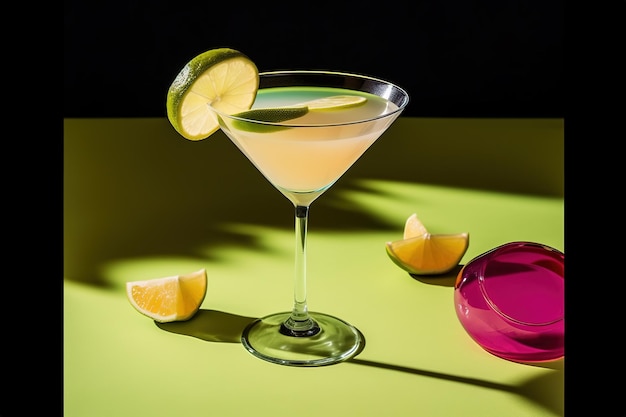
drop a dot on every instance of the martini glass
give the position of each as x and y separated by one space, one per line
303 157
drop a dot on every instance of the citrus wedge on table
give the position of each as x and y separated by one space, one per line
167 299
423 253
224 77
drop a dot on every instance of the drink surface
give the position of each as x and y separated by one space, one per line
304 160
374 105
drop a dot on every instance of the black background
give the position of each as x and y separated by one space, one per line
459 58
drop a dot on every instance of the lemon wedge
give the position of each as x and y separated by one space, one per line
167 299
423 253
224 77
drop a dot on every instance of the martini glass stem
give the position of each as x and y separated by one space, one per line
299 323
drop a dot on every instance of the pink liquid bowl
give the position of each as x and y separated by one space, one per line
511 301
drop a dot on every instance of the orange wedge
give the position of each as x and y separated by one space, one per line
174 298
423 253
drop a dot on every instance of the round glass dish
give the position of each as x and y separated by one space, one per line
511 301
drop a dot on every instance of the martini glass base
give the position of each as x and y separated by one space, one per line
335 342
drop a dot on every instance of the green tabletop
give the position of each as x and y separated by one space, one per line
141 202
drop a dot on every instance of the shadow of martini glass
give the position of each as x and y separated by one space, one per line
219 326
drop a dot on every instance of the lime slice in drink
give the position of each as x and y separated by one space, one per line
224 77
281 114
269 114
273 114
334 102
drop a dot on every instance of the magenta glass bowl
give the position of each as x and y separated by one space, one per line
511 301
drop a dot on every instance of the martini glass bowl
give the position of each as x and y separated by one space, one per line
302 157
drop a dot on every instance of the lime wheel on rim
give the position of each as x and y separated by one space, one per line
223 77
